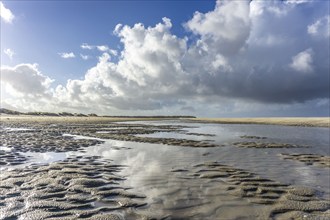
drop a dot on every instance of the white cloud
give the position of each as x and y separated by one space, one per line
303 61
148 67
297 1
117 28
85 57
226 28
278 10
274 7
320 28
67 55
9 52
103 48
151 54
113 52
256 8
26 80
220 62
6 13
86 46
268 40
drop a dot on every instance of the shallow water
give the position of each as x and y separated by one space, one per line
149 166
267 162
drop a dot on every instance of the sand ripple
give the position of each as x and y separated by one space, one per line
309 159
282 201
80 187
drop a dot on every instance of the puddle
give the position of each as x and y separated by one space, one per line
45 158
18 129
5 148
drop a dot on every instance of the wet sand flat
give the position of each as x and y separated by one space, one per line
293 121
117 168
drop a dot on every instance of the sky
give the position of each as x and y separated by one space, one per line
222 58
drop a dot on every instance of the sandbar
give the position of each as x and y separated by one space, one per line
289 121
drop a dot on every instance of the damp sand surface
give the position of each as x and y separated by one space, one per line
166 179
290 121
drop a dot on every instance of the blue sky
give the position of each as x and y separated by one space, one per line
204 58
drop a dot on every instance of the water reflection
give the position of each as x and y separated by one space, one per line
18 129
5 148
305 173
45 158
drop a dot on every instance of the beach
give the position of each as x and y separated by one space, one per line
151 168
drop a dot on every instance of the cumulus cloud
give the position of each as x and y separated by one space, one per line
85 57
222 28
6 14
276 7
151 54
26 80
67 55
221 62
303 61
239 54
9 52
105 48
101 48
321 27
86 46
147 72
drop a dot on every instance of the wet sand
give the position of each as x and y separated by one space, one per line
282 201
92 187
80 187
309 159
290 121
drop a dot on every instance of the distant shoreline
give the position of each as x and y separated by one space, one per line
4 111
287 121
89 119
